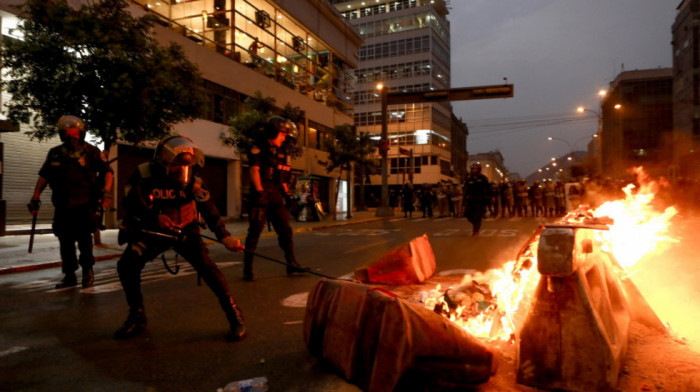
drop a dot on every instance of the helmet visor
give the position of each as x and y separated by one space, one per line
180 151
181 174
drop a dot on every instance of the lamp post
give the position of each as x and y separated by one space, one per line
572 147
599 153
384 209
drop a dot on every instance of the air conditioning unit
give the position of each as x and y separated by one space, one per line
298 43
262 19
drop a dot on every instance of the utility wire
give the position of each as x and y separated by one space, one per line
506 125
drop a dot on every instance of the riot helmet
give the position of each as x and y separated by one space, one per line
477 166
277 124
68 125
177 155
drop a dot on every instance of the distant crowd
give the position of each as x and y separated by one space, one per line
506 199
547 198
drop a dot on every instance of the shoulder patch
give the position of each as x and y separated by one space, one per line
255 150
202 195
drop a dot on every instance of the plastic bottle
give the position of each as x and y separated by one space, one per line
257 384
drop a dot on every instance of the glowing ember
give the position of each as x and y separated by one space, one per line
489 310
489 305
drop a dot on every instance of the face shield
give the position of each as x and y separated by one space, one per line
178 155
179 174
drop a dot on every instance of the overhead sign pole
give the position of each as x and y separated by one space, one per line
453 94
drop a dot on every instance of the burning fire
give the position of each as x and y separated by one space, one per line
490 305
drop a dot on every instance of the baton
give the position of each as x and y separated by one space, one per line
31 233
175 237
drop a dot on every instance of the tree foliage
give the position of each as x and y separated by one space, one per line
349 148
101 63
248 127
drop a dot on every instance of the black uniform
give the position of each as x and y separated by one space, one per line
150 193
477 195
76 177
275 170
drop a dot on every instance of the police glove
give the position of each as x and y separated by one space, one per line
164 222
33 206
232 244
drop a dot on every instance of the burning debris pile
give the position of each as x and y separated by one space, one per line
487 305
490 305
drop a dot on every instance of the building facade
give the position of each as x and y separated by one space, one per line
299 52
638 123
407 49
686 90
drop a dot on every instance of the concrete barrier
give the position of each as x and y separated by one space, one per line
575 335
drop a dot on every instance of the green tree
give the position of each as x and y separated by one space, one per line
347 149
100 63
248 127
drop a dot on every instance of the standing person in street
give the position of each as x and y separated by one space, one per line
80 178
520 190
507 201
549 204
426 200
270 172
407 200
535 195
477 195
494 202
162 201
456 194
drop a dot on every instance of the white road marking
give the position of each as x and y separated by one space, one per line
296 300
446 232
12 350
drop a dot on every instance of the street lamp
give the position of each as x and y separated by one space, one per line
385 209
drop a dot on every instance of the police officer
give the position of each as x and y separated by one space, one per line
270 172
162 202
79 177
477 195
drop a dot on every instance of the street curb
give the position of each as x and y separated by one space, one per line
54 264
50 264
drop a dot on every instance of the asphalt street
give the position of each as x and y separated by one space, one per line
62 339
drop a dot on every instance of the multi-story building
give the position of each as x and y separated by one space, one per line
637 123
407 49
300 52
686 90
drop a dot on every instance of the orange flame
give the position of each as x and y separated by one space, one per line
637 231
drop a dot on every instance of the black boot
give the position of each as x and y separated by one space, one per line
88 277
235 320
248 271
68 281
293 266
134 324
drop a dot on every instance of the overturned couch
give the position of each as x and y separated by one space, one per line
373 338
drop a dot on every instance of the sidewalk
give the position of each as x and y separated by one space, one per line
14 257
